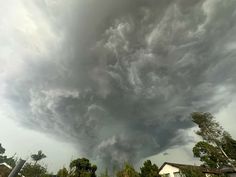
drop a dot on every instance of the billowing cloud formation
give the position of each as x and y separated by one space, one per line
117 78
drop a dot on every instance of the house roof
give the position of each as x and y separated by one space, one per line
5 169
9 168
6 165
228 170
181 166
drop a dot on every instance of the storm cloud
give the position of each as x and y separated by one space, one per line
118 79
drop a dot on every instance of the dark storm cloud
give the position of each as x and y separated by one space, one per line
120 78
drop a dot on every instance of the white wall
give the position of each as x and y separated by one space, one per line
168 169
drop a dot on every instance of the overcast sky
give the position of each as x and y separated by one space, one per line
113 80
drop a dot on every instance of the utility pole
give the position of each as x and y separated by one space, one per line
17 168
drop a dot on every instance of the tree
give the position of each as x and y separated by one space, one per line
229 145
210 155
127 171
2 150
3 158
39 156
34 170
217 148
83 168
209 129
63 172
149 169
9 160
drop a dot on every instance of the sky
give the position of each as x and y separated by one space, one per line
112 80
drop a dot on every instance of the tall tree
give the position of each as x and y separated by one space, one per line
127 171
217 145
63 172
229 145
210 155
149 169
209 129
39 156
83 168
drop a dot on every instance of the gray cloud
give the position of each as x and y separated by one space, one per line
119 78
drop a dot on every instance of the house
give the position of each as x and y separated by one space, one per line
174 170
5 169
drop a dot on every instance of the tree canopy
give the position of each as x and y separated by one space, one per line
83 168
217 148
63 172
149 169
127 171
210 155
2 150
39 156
209 129
34 170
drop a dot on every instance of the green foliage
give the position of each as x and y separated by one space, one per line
4 159
127 171
2 150
83 168
39 156
63 172
34 170
209 128
229 145
149 169
192 172
9 160
218 148
210 155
